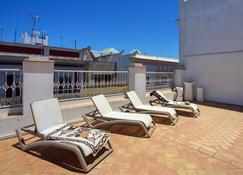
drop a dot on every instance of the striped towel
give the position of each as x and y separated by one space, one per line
94 139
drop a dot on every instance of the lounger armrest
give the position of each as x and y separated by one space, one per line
28 126
126 107
87 121
93 114
156 101
31 129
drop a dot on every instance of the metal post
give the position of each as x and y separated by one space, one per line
15 35
1 33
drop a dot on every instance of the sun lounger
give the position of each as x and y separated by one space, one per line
105 113
137 105
162 100
50 127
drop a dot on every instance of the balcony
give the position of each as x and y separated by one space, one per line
209 144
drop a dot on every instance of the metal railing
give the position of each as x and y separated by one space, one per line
157 80
10 87
70 84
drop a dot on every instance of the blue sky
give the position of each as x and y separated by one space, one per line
148 25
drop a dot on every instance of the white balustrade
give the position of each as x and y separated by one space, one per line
10 87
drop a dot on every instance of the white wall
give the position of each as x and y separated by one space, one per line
220 76
37 85
211 47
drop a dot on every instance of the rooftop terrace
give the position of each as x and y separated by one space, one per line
209 144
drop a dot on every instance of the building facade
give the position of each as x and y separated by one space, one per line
211 47
12 56
152 63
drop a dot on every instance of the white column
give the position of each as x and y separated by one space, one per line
137 79
179 77
200 96
188 91
37 83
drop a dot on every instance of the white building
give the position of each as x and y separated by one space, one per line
211 47
152 63
35 39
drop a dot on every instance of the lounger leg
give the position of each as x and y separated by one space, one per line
195 113
20 138
104 155
174 120
151 130
148 132
84 167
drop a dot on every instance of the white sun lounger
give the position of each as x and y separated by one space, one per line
104 112
162 100
137 105
48 120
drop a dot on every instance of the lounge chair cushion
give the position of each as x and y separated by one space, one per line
171 111
184 105
101 104
46 114
179 104
145 118
133 97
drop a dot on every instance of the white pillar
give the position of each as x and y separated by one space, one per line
37 83
200 96
137 79
179 77
188 91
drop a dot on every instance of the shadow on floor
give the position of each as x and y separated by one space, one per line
161 120
184 113
128 130
59 157
221 105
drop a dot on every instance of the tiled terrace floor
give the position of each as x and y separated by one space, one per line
210 144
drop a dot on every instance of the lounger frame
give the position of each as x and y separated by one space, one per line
69 147
96 115
131 108
165 104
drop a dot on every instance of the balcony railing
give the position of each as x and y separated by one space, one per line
69 84
10 87
157 80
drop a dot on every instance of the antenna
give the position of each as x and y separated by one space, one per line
43 36
15 35
35 18
75 44
1 33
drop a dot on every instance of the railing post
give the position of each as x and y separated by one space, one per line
37 83
137 79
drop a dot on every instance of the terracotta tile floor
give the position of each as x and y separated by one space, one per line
210 144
